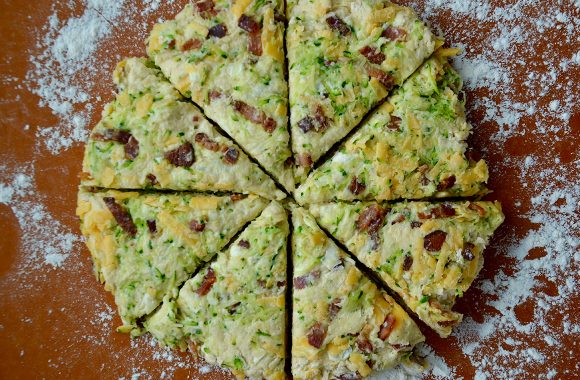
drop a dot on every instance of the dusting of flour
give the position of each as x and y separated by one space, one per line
542 92
506 91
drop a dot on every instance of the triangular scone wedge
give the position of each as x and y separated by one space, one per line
344 58
144 245
429 253
343 326
150 137
228 57
412 147
233 312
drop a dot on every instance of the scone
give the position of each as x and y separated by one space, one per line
228 57
343 326
429 253
151 138
412 147
233 312
344 57
144 245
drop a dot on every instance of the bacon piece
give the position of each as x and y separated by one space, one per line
255 44
171 44
475 207
434 241
442 211
356 187
132 148
269 125
392 33
231 156
407 263
364 344
371 219
447 183
213 95
152 225
387 327
115 135
250 113
306 280
350 376
244 244
316 335
320 118
394 123
233 307
337 24
182 155
468 251
372 54
121 215
423 215
387 80
248 24
281 283
318 122
254 115
207 283
191 44
416 224
205 8
219 31
196 226
152 179
334 307
204 140
300 282
304 160
306 124
251 26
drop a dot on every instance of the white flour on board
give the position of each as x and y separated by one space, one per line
67 60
